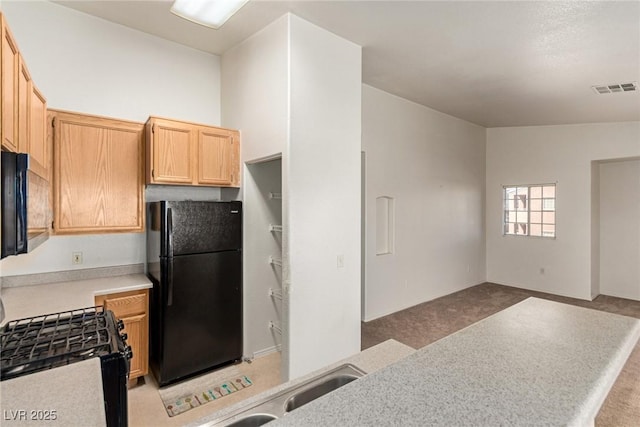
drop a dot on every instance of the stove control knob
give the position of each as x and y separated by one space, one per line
124 336
128 352
120 325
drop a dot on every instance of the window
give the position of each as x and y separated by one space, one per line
530 210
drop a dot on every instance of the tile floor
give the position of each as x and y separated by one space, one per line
146 408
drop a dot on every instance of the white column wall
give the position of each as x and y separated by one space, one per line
620 229
255 100
255 90
323 205
541 154
433 165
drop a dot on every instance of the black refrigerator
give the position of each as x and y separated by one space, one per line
194 259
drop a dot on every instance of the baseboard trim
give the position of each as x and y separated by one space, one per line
266 351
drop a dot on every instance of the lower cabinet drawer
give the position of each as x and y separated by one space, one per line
126 306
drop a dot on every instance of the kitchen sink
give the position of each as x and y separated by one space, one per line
314 392
253 420
289 399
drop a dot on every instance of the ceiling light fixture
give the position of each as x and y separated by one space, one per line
210 13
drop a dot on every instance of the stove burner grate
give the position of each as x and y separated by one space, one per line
44 342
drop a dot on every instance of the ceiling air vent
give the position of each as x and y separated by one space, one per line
615 88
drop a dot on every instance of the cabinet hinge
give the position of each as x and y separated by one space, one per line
153 128
53 122
153 173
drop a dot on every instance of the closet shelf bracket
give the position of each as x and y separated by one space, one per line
275 327
275 293
274 261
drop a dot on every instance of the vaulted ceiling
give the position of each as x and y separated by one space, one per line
492 63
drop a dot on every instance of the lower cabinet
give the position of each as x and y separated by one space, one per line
133 309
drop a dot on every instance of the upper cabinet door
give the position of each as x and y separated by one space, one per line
24 108
216 156
24 100
38 142
98 174
9 88
171 152
185 153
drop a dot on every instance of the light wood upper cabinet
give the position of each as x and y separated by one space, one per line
9 87
23 107
171 159
186 153
38 144
24 94
32 123
98 174
217 156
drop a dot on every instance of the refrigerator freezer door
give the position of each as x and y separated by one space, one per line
199 227
203 324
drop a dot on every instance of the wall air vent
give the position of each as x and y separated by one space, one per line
616 88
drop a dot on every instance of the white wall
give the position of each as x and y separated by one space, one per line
255 91
293 88
254 80
620 229
433 165
595 229
540 154
86 64
323 205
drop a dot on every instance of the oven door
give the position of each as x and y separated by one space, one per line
115 376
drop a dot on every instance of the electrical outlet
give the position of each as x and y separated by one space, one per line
76 258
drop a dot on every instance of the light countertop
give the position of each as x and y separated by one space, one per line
536 363
35 300
369 360
55 397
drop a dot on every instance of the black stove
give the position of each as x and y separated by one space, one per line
45 342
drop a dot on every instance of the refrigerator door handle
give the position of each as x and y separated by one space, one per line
169 257
169 233
169 282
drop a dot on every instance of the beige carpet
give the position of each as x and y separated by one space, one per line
425 323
